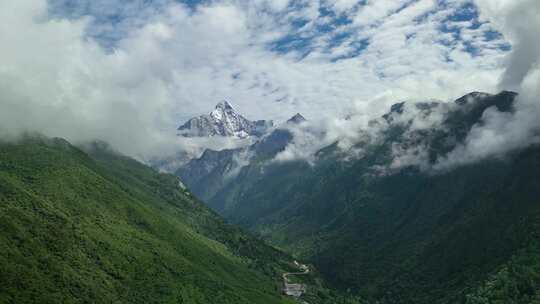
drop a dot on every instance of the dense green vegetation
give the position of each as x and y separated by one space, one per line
96 227
412 238
517 281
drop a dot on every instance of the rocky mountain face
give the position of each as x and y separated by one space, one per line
388 224
223 121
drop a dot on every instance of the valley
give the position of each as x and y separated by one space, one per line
89 224
270 152
368 231
393 234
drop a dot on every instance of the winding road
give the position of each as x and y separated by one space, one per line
291 289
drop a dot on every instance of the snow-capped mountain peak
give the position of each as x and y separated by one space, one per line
223 109
223 121
224 105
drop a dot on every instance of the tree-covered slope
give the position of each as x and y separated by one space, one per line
415 238
96 227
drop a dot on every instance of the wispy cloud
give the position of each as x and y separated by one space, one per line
130 71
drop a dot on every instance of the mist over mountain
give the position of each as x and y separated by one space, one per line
360 152
131 79
421 135
442 220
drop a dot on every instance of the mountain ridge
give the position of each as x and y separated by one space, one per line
223 121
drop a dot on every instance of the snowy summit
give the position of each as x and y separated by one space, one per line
223 121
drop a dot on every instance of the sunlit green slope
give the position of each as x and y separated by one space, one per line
95 227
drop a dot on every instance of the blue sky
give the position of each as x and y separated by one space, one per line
334 21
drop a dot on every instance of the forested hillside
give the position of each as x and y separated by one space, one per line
97 227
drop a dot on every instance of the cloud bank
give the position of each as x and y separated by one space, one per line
129 72
54 81
500 132
496 135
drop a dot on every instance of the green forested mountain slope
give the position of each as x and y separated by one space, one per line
95 227
418 239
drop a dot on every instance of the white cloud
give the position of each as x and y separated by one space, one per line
278 5
375 11
342 6
504 132
170 62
